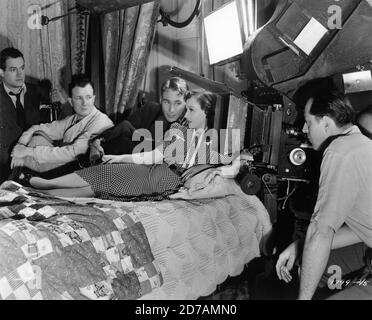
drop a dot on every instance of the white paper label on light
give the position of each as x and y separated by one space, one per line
310 36
357 81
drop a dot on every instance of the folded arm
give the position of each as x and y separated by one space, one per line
54 131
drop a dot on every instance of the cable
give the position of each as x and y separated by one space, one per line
289 194
165 19
267 187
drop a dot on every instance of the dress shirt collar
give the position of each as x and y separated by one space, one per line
76 118
7 90
351 130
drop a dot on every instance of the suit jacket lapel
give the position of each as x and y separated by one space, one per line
32 105
8 108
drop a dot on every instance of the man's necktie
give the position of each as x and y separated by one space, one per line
21 118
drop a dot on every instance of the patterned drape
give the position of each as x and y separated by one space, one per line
127 39
77 26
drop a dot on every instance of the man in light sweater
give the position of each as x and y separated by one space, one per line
48 146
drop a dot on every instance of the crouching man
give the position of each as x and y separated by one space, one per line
47 146
342 217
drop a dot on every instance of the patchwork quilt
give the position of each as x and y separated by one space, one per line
87 248
198 244
52 248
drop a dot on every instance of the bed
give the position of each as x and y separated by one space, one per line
86 248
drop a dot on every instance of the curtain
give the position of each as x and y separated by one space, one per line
77 27
20 30
51 52
126 39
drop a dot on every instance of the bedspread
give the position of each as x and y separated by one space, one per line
199 243
87 248
52 248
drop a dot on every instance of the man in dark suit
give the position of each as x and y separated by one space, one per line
172 107
19 105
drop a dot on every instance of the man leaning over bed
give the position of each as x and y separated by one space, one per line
342 216
172 108
47 146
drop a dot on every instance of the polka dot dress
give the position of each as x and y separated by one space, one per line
131 182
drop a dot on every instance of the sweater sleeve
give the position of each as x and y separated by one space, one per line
79 145
53 130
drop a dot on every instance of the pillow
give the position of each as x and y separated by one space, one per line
217 187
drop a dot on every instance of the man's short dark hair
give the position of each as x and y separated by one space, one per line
7 53
176 84
365 112
327 101
79 80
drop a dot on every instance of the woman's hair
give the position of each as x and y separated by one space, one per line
207 101
176 84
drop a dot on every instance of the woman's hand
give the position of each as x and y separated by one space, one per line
232 170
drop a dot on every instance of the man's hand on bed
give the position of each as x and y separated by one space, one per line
96 144
96 152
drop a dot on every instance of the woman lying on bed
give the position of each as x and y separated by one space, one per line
148 175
